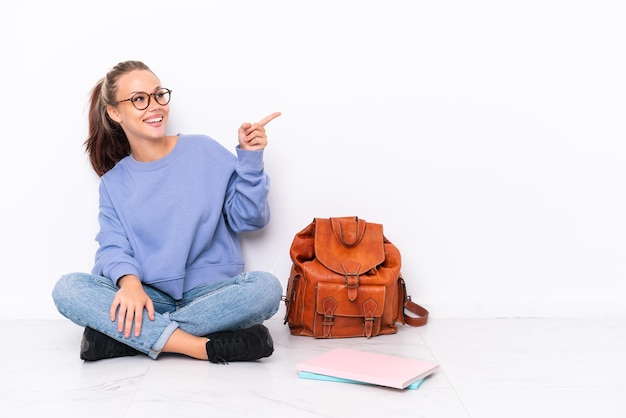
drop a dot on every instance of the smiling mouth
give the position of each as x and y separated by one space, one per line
154 120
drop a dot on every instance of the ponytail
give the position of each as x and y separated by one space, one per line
107 143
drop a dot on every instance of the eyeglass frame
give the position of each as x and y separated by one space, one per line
153 94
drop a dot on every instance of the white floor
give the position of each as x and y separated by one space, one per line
500 368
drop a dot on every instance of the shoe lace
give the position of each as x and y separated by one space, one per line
227 348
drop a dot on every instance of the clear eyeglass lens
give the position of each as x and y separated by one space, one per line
162 97
141 100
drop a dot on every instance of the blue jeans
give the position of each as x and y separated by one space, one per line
240 302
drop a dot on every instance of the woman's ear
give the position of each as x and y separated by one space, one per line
113 113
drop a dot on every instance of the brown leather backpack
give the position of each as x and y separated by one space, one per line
345 281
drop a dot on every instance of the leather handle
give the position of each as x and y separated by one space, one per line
348 230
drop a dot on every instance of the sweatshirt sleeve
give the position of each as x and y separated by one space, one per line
246 207
114 256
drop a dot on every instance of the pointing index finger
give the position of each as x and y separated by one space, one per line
268 118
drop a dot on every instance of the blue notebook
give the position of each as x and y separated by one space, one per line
316 376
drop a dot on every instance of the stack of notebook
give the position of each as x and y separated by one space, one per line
354 366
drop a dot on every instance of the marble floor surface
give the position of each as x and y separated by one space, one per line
501 368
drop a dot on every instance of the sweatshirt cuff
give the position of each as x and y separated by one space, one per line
122 269
250 159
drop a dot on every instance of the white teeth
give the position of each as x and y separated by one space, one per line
154 120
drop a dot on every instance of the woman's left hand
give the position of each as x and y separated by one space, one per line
252 135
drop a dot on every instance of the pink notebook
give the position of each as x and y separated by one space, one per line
363 366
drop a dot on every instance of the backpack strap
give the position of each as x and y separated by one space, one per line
410 306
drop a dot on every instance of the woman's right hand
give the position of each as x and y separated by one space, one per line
128 305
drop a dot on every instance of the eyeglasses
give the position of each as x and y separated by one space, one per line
141 100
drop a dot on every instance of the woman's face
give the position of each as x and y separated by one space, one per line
142 117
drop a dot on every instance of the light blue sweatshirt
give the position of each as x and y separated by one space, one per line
174 222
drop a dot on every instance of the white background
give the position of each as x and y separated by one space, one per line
486 136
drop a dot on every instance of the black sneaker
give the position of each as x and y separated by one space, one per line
97 346
247 344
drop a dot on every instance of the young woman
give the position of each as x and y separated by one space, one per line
169 273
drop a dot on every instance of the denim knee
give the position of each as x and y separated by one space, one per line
64 289
75 290
270 285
